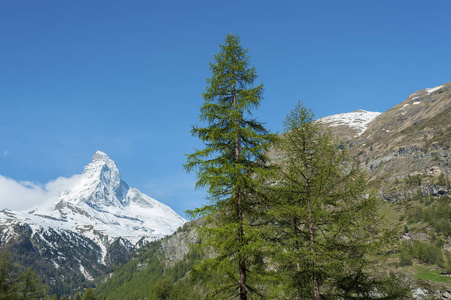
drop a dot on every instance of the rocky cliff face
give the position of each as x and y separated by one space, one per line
175 247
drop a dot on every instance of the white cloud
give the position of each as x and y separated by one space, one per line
28 195
5 153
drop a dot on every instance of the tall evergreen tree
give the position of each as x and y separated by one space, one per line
8 284
15 284
162 289
229 167
30 286
323 224
77 296
88 295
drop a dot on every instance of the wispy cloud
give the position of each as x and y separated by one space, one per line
27 195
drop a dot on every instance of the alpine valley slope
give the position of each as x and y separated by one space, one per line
406 153
96 224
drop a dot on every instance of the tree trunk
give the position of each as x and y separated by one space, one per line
313 250
239 209
242 263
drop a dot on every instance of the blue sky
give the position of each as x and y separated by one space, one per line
126 77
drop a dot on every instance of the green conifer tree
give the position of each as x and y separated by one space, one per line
77 296
30 286
88 295
8 284
229 167
162 289
323 235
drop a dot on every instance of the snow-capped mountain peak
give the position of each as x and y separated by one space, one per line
100 184
101 195
104 170
358 119
101 207
102 167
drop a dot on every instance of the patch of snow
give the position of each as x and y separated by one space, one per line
358 120
431 90
85 273
7 233
55 264
416 103
404 106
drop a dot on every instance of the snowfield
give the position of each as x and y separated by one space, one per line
358 120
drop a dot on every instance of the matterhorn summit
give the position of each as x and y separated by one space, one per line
99 212
100 185
101 199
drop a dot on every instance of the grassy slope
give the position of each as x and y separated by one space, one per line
147 277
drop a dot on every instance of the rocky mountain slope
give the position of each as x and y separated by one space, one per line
412 138
406 152
96 224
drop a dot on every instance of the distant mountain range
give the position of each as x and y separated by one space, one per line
96 224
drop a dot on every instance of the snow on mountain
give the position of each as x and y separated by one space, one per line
358 119
101 207
431 90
